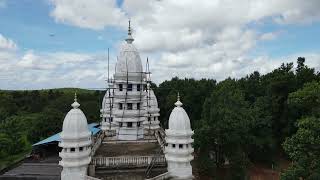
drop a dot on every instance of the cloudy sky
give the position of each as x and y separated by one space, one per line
63 43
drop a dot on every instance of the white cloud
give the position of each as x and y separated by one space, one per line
7 57
270 36
298 11
173 25
32 61
222 67
210 38
6 43
93 14
35 70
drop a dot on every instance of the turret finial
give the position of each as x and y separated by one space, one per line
75 104
129 28
75 97
129 38
178 103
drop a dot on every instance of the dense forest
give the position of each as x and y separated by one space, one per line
257 119
29 116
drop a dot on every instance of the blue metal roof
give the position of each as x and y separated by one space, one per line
93 125
56 138
94 130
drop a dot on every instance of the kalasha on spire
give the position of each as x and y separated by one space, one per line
75 104
178 103
129 38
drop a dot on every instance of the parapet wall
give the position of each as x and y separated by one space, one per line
128 161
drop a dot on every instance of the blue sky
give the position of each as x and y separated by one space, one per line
294 38
29 24
56 43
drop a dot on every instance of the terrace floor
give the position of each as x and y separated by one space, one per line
128 149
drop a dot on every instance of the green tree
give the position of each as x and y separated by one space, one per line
303 147
223 131
7 106
193 93
305 101
279 83
304 74
5 143
14 131
45 124
304 150
262 146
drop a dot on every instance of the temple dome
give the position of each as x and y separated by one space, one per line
75 124
129 60
179 119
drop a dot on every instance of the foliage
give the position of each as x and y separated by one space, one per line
304 149
237 122
29 116
226 115
192 93
247 120
306 101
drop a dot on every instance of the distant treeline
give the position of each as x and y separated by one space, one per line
254 119
29 116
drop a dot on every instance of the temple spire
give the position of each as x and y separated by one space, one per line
178 103
75 97
75 104
129 39
129 28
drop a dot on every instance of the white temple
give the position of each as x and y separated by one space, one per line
76 144
129 115
128 144
179 143
123 105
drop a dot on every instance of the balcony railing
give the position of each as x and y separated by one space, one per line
128 161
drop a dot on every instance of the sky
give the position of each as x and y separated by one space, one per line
63 43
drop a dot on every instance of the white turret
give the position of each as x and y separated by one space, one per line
179 148
75 144
152 117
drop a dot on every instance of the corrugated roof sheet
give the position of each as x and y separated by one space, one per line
56 138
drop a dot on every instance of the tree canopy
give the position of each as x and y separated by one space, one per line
237 122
